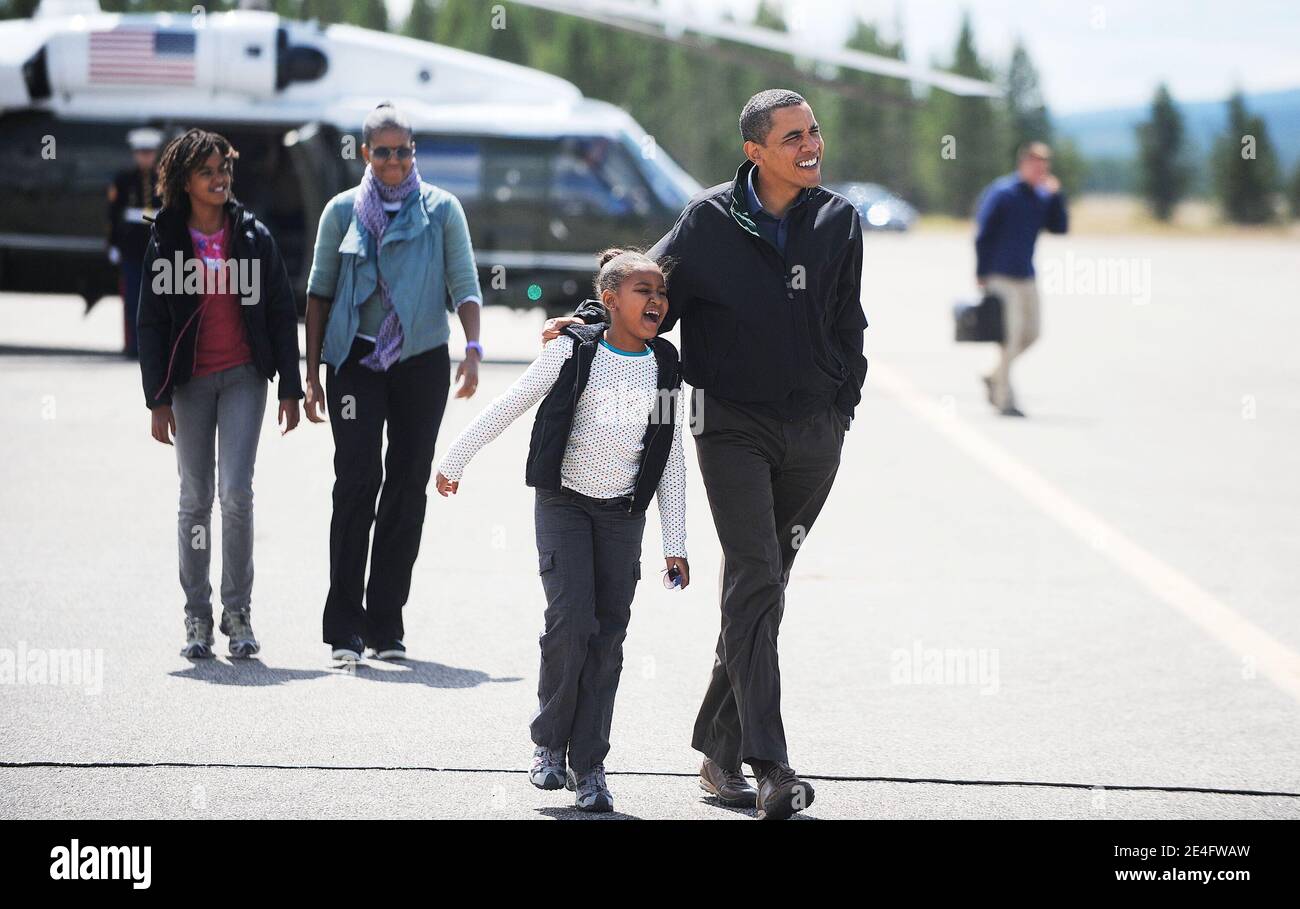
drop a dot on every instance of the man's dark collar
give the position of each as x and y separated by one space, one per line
755 204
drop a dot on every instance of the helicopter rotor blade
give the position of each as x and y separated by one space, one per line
636 17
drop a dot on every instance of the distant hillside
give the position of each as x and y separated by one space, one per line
1109 134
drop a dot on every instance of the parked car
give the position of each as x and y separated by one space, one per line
878 208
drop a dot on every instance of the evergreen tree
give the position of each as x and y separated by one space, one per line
963 138
717 89
325 11
1028 119
570 52
1294 193
420 21
472 25
1164 179
1245 167
371 14
510 33
1069 165
824 102
18 9
289 9
874 138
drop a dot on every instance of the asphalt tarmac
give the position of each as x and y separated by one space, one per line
1088 613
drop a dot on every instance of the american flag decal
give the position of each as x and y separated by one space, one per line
135 55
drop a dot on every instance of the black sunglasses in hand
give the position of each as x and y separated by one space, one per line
672 577
382 152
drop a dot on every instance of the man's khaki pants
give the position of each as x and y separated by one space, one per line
1020 321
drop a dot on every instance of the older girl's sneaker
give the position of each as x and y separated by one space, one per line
198 639
591 792
237 626
547 771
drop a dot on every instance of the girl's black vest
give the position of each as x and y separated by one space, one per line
555 416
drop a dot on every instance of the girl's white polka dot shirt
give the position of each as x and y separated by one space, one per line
604 450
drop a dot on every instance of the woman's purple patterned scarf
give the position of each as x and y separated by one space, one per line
369 209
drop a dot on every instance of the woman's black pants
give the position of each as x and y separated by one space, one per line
409 399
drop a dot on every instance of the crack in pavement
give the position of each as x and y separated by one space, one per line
190 765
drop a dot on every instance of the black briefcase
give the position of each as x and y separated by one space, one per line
979 320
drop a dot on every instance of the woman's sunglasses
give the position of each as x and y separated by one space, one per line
382 152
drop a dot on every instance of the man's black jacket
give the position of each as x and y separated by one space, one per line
166 327
784 331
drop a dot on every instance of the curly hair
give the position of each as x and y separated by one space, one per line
181 157
616 264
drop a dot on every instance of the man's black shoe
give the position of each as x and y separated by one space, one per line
728 786
781 793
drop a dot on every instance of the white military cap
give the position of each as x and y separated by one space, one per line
144 138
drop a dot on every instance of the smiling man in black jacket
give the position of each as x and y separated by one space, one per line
766 280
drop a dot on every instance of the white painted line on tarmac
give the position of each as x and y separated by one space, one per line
1257 648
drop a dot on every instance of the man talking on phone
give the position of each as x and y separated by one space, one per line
1012 212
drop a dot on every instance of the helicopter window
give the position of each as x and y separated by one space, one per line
517 171
452 163
596 174
670 183
486 169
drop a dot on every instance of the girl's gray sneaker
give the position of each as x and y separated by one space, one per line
592 793
547 771
198 639
239 628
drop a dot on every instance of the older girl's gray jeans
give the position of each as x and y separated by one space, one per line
218 421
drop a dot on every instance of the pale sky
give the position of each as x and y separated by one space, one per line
1091 54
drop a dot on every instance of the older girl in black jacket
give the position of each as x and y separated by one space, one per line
216 322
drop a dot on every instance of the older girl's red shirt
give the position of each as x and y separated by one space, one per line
222 341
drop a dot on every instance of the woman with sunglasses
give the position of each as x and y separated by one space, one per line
392 257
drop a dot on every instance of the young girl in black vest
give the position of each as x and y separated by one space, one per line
606 438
